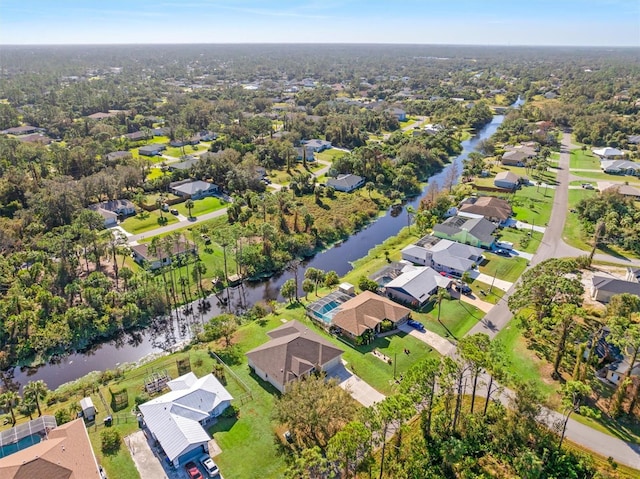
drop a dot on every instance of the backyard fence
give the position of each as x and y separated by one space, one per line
247 396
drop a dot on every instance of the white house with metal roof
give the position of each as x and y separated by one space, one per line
176 419
416 286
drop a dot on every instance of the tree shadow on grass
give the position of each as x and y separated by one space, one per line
223 424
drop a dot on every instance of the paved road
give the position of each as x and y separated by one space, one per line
553 246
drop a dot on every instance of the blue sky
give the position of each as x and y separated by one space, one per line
484 22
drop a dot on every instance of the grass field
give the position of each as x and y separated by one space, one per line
155 173
602 176
330 154
201 207
523 240
507 269
572 233
457 317
584 160
146 221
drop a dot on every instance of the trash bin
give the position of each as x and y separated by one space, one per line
108 421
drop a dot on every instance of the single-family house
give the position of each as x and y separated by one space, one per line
472 231
608 153
616 371
113 210
604 287
415 287
346 183
144 257
100 115
514 158
116 156
624 190
399 113
317 145
137 135
365 312
153 149
443 255
305 153
294 351
634 139
193 188
176 419
620 167
492 208
183 165
21 130
432 129
35 138
506 180
65 452
633 274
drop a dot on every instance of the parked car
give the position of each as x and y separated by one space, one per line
502 252
416 324
209 466
174 212
192 470
463 288
587 186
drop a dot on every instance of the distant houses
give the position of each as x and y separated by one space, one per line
293 352
317 145
346 183
305 153
620 167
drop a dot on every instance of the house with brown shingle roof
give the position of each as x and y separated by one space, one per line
294 351
365 312
492 208
65 454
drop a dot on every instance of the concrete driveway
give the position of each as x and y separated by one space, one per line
359 390
434 340
149 465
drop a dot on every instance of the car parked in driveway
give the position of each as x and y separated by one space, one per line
192 470
502 252
209 466
416 324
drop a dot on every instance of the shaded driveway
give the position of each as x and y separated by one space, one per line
359 390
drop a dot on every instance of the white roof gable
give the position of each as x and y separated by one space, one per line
174 417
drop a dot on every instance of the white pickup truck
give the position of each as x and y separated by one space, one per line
504 245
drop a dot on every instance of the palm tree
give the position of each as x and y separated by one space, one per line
440 295
36 390
9 400
189 204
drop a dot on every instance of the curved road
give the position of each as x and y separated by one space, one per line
553 246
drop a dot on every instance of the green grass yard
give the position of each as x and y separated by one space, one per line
507 269
146 221
330 154
523 240
201 207
457 317
573 233
584 160
602 176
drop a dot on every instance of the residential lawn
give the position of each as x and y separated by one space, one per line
602 176
584 160
202 206
555 156
146 221
120 464
580 183
573 233
155 173
492 296
532 204
523 364
523 240
458 317
549 176
176 152
407 123
330 154
283 177
507 269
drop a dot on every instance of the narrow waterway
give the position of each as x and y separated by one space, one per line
133 347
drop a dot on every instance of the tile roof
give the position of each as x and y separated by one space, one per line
365 311
65 454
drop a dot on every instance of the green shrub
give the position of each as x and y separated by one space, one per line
110 441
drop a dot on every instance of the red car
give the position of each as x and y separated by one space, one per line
192 470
